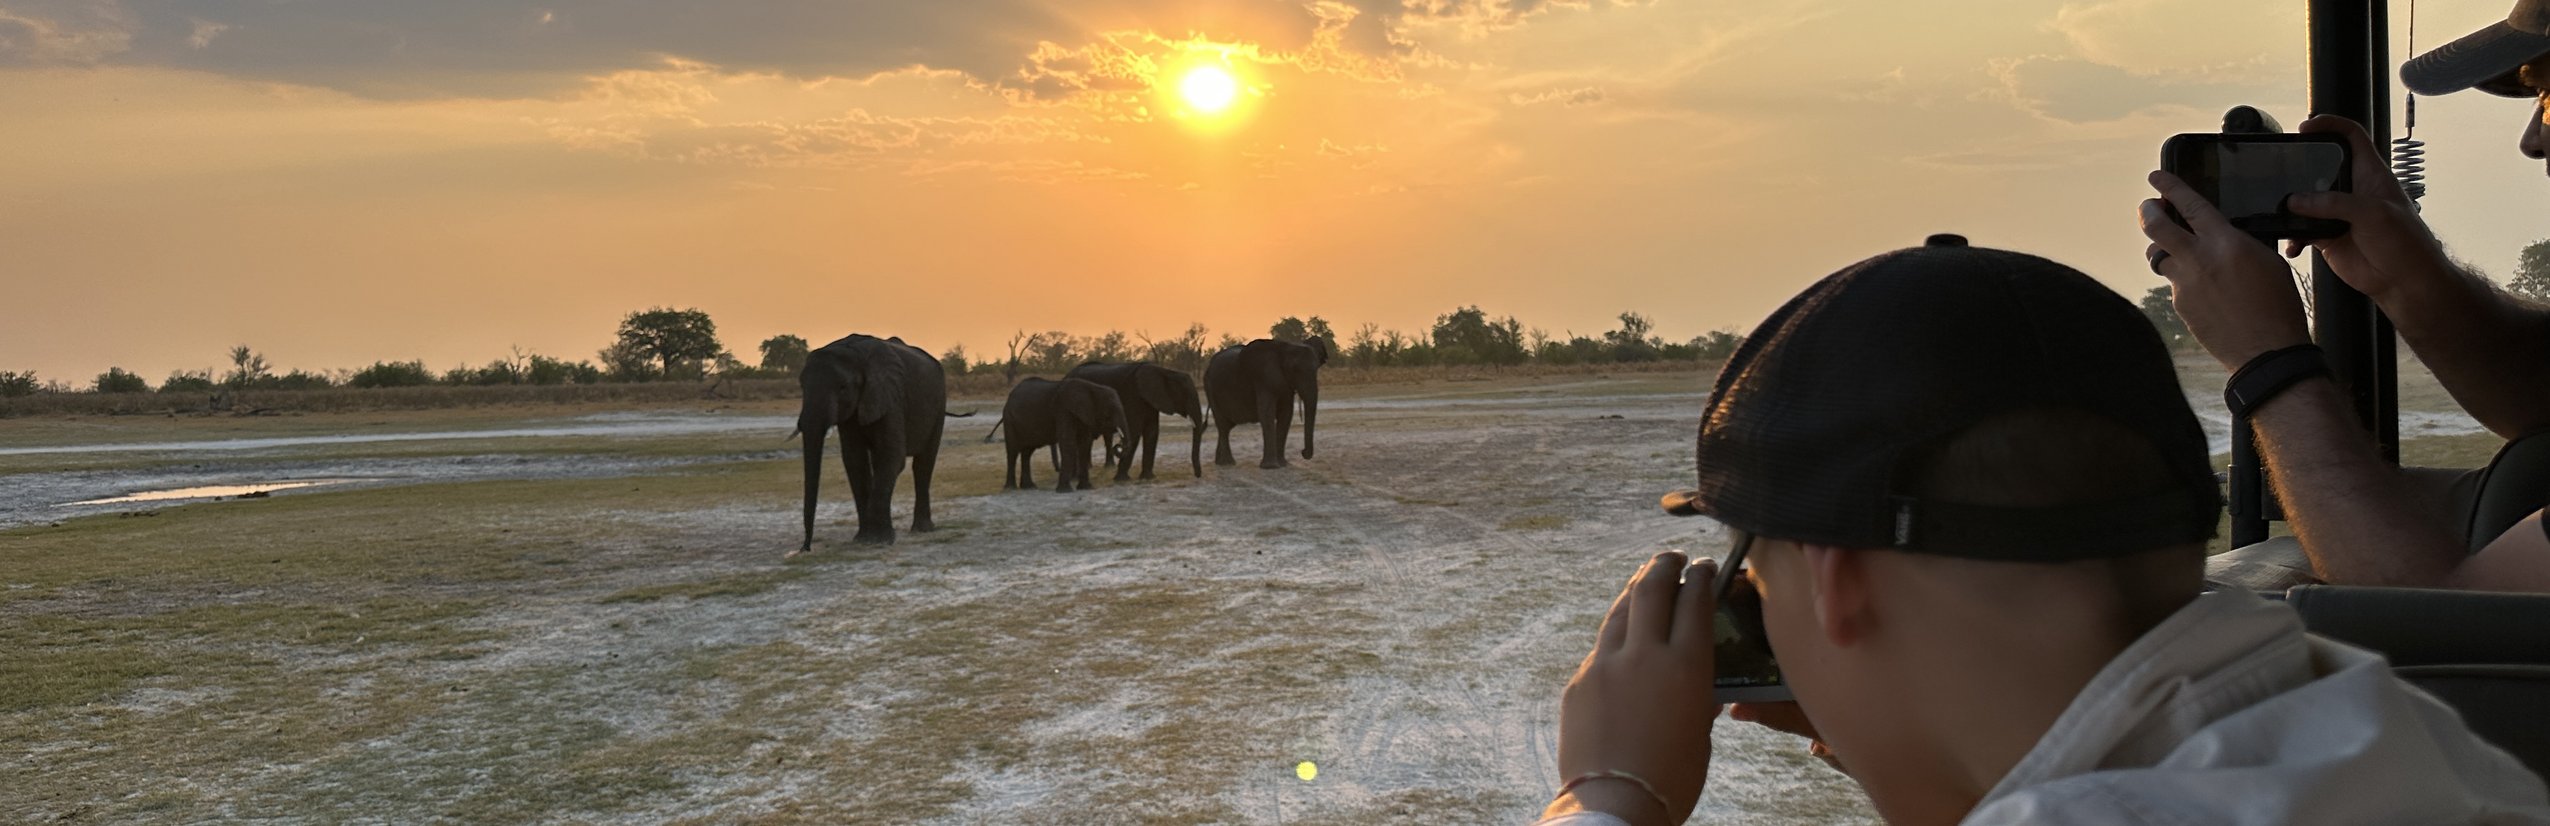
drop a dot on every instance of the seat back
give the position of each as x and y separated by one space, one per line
2516 483
2485 654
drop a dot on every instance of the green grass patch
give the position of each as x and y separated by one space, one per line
1535 522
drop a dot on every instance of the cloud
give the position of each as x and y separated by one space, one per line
1571 98
58 32
2230 41
513 49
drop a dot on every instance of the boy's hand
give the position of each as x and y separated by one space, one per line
1640 703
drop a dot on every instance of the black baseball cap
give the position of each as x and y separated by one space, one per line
2486 59
1819 414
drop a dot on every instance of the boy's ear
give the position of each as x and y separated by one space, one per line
1839 581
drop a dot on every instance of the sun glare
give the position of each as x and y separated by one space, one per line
1209 89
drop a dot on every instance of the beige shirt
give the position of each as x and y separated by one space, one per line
2227 713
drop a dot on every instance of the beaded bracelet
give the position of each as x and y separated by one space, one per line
1616 774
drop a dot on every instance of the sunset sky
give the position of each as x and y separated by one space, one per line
341 181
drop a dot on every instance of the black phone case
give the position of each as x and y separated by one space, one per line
2284 226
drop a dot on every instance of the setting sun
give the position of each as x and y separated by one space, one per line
1209 89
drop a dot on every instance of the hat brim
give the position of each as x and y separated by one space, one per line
1682 503
2489 54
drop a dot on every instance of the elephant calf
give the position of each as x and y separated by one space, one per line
1068 415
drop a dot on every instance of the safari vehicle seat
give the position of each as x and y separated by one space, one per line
2485 654
2515 483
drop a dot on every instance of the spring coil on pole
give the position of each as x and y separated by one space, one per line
2408 158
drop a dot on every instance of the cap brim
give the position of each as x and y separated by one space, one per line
1682 503
2473 61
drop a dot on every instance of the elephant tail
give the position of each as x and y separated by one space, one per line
996 429
955 415
792 433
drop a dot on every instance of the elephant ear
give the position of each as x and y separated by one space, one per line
1082 401
1153 384
882 393
1320 346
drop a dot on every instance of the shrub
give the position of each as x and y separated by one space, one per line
390 374
549 371
116 380
297 380
13 385
181 381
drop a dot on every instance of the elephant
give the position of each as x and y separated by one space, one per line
1149 390
1256 382
888 399
1067 415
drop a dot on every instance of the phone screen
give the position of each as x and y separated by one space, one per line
2249 177
1747 672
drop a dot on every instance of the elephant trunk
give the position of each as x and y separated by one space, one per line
814 474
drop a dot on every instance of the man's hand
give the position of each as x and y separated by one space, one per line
2237 297
1640 703
2386 246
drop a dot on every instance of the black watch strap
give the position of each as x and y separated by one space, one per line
2271 373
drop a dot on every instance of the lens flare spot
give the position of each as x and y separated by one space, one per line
1307 771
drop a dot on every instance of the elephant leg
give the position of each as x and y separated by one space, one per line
885 467
1065 453
1026 460
1222 449
854 461
922 466
1150 444
1009 468
1275 420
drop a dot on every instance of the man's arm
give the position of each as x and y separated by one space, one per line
2357 516
2490 350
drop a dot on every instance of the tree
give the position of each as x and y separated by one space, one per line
1288 329
954 362
246 367
116 380
2532 272
675 339
1634 340
1717 345
13 385
1186 352
623 361
2164 318
1466 335
784 353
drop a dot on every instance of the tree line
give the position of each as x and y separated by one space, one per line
664 344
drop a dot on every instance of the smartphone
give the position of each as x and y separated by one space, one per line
2249 177
1746 670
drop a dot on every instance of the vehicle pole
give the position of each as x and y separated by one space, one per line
2350 77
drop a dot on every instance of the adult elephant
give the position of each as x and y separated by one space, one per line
1149 390
887 398
1257 382
1066 415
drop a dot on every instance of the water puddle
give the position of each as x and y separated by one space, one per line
250 491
